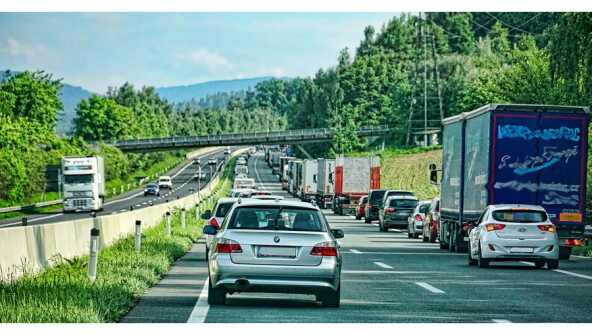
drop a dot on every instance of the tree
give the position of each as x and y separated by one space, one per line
100 118
33 95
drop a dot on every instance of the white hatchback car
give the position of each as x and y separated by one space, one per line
514 232
165 182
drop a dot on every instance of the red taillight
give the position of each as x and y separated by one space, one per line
418 217
547 228
389 210
324 249
572 242
214 222
494 227
225 246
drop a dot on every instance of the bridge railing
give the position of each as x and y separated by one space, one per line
288 134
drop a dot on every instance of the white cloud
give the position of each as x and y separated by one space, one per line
208 59
16 48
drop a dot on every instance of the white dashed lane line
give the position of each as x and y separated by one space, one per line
355 251
429 287
383 265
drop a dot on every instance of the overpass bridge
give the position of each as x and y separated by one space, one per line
302 136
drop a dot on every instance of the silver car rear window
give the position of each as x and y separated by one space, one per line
519 216
277 218
223 209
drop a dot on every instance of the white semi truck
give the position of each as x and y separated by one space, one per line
83 179
325 182
308 184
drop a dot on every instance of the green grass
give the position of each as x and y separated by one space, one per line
407 169
63 292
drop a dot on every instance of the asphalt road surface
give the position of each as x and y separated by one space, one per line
386 277
183 185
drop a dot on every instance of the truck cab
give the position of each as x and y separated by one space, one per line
83 180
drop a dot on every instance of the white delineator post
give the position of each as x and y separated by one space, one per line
168 223
197 214
94 254
138 238
183 217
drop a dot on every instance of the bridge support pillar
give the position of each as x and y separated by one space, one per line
306 154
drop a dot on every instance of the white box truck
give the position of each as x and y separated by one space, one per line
292 184
284 171
83 179
325 182
308 189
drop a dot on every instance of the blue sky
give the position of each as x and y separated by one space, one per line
100 50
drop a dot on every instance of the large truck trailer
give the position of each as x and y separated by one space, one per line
354 177
308 175
325 181
83 179
514 154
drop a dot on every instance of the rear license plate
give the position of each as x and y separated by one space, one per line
289 252
521 250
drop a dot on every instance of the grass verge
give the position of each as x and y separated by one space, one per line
63 292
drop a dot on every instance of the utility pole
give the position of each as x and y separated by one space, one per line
437 74
413 88
425 82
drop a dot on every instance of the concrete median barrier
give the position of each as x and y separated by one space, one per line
34 248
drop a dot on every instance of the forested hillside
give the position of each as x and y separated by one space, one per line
472 59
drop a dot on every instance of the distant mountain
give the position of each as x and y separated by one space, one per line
70 96
177 94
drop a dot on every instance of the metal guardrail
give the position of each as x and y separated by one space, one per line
30 206
271 137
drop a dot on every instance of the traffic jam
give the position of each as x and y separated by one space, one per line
505 196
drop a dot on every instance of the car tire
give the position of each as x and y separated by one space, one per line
331 298
539 264
483 263
358 217
552 264
367 221
207 254
564 253
416 235
424 238
216 296
470 259
409 235
382 228
443 246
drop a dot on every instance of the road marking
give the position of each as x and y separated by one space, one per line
409 253
138 205
257 173
501 321
388 272
573 274
582 257
201 308
383 265
355 251
429 287
144 203
122 210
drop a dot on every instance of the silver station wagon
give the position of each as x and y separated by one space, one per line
275 247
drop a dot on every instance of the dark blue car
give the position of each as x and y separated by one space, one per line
152 189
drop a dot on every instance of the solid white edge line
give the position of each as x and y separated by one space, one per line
501 321
573 274
429 287
201 308
383 265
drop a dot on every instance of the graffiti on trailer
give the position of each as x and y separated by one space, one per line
530 164
553 198
521 131
533 187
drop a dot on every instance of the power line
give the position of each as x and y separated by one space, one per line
509 25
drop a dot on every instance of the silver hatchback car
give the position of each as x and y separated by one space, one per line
514 232
277 247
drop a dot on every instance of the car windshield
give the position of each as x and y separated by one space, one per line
364 200
277 218
424 208
165 179
376 196
84 178
403 203
399 193
151 186
519 216
223 209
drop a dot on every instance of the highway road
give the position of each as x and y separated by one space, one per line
183 185
386 278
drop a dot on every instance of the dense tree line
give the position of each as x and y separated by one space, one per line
470 59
